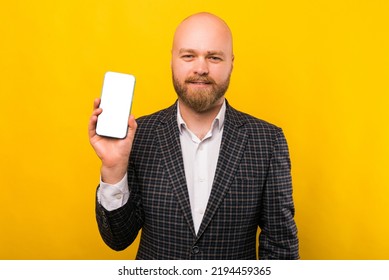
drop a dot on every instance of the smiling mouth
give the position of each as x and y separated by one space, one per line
201 81
200 84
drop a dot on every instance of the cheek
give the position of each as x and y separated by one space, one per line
221 74
180 70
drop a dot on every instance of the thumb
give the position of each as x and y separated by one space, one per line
132 125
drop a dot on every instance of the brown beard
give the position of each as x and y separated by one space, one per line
200 100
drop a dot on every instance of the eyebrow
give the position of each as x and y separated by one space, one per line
211 52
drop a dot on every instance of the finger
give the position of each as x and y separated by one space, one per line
96 103
92 126
93 119
132 123
97 111
132 126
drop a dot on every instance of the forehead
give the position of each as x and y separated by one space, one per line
203 34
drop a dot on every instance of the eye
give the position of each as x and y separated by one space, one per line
215 58
187 57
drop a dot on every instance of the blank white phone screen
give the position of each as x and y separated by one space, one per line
116 100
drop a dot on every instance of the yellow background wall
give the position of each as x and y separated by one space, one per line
319 69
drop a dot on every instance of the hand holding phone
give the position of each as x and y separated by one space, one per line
105 138
116 101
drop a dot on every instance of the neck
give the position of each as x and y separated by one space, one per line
200 122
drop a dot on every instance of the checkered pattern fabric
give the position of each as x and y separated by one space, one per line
252 188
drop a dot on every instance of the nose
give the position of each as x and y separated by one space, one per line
201 67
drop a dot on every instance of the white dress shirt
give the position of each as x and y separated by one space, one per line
200 160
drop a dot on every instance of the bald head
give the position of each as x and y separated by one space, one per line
203 31
202 62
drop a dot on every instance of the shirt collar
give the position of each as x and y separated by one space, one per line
218 122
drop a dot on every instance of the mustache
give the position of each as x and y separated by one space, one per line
200 79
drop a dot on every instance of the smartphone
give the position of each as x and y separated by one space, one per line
116 101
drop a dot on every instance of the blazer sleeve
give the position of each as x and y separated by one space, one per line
278 238
119 228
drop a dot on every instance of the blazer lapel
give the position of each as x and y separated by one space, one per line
231 150
169 141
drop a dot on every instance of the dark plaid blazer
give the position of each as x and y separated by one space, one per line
252 188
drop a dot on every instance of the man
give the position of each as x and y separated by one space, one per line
198 178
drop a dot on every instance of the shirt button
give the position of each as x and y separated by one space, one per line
118 196
195 250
